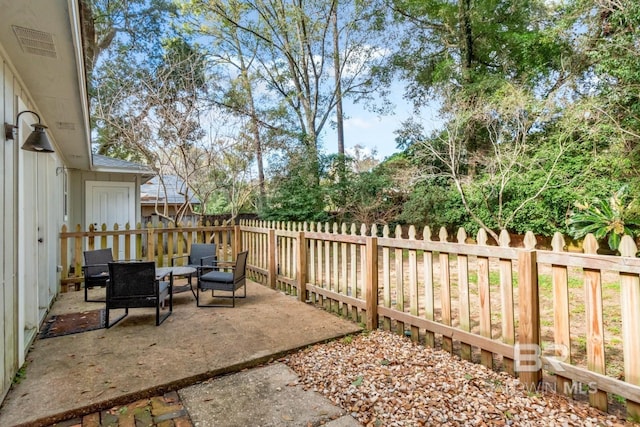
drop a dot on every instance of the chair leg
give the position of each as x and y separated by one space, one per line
106 317
191 285
232 296
86 295
160 319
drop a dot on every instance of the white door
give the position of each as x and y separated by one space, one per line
111 203
33 261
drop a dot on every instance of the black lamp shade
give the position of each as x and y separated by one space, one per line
38 140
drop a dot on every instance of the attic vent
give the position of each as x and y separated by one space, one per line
35 42
66 125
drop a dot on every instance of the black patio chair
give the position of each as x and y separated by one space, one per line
96 270
227 281
134 285
201 255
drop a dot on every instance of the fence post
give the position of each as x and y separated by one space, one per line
77 255
272 268
371 294
529 318
629 301
302 267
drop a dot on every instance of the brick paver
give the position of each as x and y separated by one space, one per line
159 411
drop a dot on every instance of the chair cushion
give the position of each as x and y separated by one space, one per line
217 276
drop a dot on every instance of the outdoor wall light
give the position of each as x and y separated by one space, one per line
37 141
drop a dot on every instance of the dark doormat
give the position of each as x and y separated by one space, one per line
72 323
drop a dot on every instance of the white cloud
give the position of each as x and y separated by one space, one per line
355 123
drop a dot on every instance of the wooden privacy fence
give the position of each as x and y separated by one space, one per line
525 310
575 315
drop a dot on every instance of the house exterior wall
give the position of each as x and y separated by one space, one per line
30 205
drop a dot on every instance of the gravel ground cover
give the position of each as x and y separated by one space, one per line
385 379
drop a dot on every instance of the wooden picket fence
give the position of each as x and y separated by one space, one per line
143 243
494 304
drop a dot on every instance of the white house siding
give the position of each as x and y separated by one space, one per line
31 204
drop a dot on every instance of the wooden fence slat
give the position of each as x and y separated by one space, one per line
629 303
506 301
561 325
484 295
301 267
413 285
463 295
335 267
595 323
371 291
351 289
312 256
445 291
386 279
429 295
399 269
343 270
272 265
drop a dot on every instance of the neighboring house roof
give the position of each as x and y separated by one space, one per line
153 191
110 165
104 162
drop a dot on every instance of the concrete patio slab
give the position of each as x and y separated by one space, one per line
267 397
74 375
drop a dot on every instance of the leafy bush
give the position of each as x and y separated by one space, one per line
610 219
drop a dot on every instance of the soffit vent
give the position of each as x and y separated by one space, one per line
66 125
35 42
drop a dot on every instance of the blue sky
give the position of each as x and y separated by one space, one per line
374 131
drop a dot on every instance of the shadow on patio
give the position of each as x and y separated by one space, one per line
77 374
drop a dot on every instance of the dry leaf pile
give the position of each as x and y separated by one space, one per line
384 379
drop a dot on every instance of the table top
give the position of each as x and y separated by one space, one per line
177 271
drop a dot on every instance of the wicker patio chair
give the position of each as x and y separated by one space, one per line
133 285
96 270
226 281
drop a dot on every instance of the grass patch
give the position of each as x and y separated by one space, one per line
347 340
20 375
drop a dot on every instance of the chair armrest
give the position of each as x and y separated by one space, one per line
177 257
226 264
94 265
208 258
88 266
202 269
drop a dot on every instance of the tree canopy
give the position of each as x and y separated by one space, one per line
539 104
